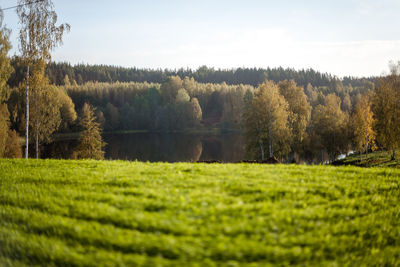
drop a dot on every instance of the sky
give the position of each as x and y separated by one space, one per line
341 37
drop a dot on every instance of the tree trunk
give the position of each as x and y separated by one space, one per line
262 151
27 115
393 154
36 124
37 141
271 152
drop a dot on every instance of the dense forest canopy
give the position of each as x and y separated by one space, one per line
82 73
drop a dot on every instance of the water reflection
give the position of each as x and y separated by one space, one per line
153 147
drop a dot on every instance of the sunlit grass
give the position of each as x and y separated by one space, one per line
115 213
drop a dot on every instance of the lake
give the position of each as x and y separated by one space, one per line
167 147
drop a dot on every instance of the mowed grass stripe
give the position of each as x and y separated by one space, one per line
158 213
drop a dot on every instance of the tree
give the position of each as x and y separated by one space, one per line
67 110
195 112
90 142
182 96
9 146
9 143
330 125
346 103
45 112
5 65
170 88
362 121
112 117
38 35
3 128
299 111
266 122
386 107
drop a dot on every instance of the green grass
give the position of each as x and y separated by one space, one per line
115 213
374 159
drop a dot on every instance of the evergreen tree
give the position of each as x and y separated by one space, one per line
90 142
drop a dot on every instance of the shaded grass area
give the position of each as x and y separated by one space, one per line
374 159
115 213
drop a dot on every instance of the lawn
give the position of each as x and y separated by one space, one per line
118 213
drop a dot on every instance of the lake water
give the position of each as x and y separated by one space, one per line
168 147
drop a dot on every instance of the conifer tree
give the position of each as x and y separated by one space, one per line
90 142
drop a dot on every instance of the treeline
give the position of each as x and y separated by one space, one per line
175 104
170 105
310 122
60 73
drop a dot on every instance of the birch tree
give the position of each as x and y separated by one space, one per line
362 121
266 123
38 36
386 106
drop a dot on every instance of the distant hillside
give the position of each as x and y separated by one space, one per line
82 73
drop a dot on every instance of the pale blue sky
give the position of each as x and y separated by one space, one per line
353 37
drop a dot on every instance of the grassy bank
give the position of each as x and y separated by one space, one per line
374 159
115 213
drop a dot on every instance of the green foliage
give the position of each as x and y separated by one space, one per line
91 213
67 111
5 65
46 105
266 123
166 106
38 33
90 142
299 111
83 73
330 127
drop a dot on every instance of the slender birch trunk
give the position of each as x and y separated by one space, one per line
27 115
262 151
37 141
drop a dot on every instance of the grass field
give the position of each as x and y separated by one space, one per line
115 213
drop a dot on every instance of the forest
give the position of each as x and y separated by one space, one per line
83 73
312 118
282 113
